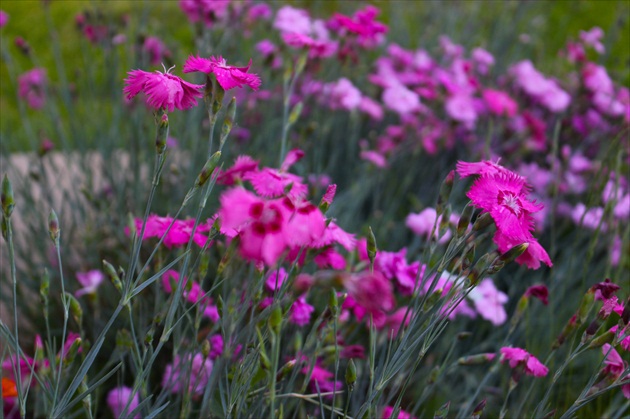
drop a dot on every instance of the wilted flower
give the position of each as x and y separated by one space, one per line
162 90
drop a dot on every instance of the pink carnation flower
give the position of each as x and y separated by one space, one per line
489 302
342 94
194 295
400 99
300 312
207 10
518 356
362 24
241 166
318 48
228 77
118 398
615 366
500 103
276 278
162 90
422 224
90 281
293 20
32 87
593 39
177 236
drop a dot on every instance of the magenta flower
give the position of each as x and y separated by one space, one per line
342 94
4 18
318 48
538 291
489 302
162 90
276 278
389 410
90 281
156 50
228 77
518 356
32 87
117 399
300 312
323 378
207 10
500 103
178 235
593 39
242 165
615 366
195 294
362 24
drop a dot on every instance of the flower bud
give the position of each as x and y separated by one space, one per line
113 276
286 369
218 95
228 122
75 308
602 339
479 359
53 227
208 169
72 352
483 221
275 319
44 287
333 302
445 192
371 246
442 411
464 220
513 253
478 410
351 375
124 340
205 348
162 132
328 197
6 197
295 113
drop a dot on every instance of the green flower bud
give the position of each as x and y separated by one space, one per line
124 340
6 197
75 308
333 302
208 169
351 374
275 319
478 410
483 221
162 131
371 246
228 122
113 276
442 412
464 220
445 192
601 340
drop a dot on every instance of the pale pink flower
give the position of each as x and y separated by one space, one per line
596 78
400 99
342 94
32 87
489 302
616 251
162 90
590 218
483 59
4 18
422 224
518 356
156 50
90 282
500 103
300 312
191 371
227 76
450 49
117 399
374 157
266 48
546 91
461 108
371 107
593 38
291 19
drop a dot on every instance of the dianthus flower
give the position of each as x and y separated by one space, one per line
227 76
156 50
162 90
32 87
178 235
207 10
503 194
389 410
90 281
268 227
195 294
369 32
117 399
300 312
4 18
518 356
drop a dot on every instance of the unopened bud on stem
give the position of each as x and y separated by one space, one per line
6 197
162 132
53 227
